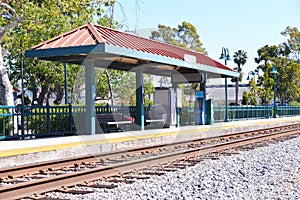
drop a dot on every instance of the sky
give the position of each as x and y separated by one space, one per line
233 24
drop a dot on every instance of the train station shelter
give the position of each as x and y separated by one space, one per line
93 46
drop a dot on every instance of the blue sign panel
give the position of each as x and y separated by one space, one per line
199 94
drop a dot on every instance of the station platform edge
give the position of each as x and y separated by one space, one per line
21 152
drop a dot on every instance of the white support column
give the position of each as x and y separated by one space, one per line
90 94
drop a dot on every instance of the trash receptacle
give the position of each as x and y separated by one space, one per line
209 112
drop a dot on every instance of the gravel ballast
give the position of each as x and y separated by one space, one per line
269 172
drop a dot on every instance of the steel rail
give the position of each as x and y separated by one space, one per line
66 162
50 184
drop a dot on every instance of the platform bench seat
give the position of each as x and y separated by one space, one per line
153 121
113 121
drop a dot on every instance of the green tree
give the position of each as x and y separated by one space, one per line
288 79
245 100
240 58
291 48
42 20
105 81
285 58
185 35
189 37
265 54
149 89
101 88
165 34
124 88
253 94
75 82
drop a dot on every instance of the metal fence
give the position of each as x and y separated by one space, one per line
254 112
242 112
288 110
35 121
22 122
187 115
39 121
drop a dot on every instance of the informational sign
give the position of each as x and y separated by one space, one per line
178 98
199 94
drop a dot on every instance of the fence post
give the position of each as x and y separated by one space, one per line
22 122
107 108
3 122
70 117
266 114
48 117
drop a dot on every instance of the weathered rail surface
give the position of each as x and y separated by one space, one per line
78 170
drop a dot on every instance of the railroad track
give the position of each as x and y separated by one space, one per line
61 175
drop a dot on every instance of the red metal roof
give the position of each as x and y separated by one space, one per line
92 34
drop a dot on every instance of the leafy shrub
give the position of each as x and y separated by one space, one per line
294 103
55 120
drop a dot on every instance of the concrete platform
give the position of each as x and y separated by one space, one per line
22 152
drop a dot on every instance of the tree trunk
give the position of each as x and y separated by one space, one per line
6 93
6 89
237 80
48 97
236 91
59 94
110 87
106 70
45 90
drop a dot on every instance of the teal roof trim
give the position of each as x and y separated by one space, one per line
64 51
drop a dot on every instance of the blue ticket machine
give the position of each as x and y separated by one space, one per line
199 108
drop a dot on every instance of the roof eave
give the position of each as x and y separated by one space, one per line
64 51
167 60
47 54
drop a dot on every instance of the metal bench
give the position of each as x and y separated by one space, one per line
153 120
113 121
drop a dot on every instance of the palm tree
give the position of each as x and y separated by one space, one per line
240 58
